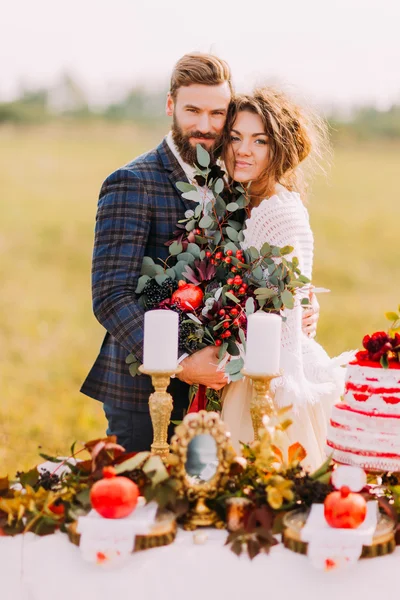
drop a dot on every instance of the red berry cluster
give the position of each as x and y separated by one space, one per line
377 345
220 258
232 315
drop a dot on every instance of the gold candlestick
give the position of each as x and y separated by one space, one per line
160 405
262 402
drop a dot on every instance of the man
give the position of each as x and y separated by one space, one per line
138 209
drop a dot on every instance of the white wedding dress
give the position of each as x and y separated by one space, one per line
311 381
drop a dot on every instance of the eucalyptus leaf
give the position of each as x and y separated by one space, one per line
236 376
185 187
198 211
253 253
171 273
179 268
241 201
287 299
141 283
235 224
199 239
230 246
303 279
175 248
276 251
218 185
264 293
220 207
242 338
249 307
240 236
257 273
232 206
286 250
187 257
265 249
217 237
232 234
195 196
193 249
158 270
234 366
276 301
205 222
222 350
149 269
189 214
147 260
190 226
203 158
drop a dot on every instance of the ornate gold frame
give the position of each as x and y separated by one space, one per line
192 425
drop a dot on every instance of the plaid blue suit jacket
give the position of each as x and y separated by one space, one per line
139 206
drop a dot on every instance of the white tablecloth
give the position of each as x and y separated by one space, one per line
51 568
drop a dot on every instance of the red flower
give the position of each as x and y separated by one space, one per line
395 341
362 355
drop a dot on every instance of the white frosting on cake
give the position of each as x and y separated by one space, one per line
365 429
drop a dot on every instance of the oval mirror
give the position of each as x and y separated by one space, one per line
202 458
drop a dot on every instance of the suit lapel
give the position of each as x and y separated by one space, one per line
175 172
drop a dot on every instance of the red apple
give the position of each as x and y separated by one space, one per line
188 296
114 497
345 509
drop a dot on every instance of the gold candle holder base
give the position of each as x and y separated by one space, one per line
262 402
160 405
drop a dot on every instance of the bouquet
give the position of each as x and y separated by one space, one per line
209 280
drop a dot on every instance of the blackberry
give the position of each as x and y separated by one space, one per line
155 293
309 491
190 333
48 480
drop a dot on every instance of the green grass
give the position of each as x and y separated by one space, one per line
50 178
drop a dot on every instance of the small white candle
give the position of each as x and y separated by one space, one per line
263 347
160 351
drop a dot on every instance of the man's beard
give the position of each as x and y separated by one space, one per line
185 148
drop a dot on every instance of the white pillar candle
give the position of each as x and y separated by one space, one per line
263 346
160 351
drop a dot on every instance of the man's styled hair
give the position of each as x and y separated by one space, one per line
204 69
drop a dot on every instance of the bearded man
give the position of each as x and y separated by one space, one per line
139 206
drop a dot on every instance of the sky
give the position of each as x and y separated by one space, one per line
334 52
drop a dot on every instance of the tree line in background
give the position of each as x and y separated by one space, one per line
67 100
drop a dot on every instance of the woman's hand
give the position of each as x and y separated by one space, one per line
310 317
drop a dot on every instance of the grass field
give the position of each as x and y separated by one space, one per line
49 181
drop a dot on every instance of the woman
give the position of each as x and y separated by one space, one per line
268 138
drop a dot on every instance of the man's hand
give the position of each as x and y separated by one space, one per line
310 317
201 368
